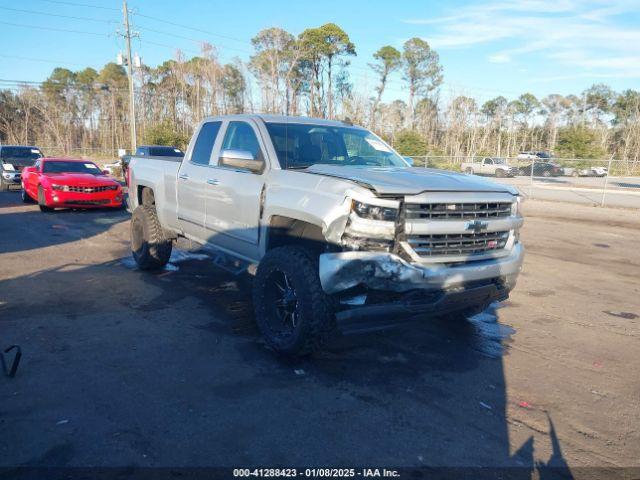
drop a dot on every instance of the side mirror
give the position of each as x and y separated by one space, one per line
409 160
106 172
242 160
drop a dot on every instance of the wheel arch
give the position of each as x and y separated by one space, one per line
289 231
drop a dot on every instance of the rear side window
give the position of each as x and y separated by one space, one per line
204 143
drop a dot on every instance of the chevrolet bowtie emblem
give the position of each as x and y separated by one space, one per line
477 226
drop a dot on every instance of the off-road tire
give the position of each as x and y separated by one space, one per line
150 247
148 198
42 202
316 320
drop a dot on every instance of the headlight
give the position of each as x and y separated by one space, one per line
374 212
63 188
515 206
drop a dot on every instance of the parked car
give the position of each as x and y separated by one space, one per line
335 224
67 183
529 155
13 159
151 151
542 169
490 166
586 172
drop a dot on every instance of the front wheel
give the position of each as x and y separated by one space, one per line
25 196
291 309
150 248
500 173
42 202
546 173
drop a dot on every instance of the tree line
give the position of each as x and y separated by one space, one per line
309 74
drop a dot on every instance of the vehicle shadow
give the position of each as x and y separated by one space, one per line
170 364
26 228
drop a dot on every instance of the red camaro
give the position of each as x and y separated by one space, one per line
66 183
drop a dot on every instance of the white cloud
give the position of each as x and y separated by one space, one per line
499 58
581 34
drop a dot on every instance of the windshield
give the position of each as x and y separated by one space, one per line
23 156
71 167
301 145
498 161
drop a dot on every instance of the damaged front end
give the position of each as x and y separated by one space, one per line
433 247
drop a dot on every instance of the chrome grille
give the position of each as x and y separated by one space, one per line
458 243
89 189
457 211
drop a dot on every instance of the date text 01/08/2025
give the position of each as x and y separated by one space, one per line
316 472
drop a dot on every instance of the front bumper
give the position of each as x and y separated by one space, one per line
60 199
388 272
11 178
468 299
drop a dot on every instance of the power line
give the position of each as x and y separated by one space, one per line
43 60
35 12
195 29
174 35
37 27
60 2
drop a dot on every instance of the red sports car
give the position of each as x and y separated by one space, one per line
66 183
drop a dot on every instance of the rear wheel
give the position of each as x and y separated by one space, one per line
42 202
546 173
469 171
292 311
500 173
150 248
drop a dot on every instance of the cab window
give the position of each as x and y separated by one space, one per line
204 143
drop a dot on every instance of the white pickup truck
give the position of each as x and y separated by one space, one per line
337 228
495 166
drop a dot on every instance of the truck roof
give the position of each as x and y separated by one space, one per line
269 118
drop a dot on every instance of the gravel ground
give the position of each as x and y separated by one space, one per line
126 368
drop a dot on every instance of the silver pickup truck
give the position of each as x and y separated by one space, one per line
337 228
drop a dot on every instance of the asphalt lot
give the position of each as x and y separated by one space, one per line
127 368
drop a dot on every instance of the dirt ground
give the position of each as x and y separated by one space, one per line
126 368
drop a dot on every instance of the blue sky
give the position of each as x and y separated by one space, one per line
487 48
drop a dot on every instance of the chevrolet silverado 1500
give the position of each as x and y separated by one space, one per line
336 227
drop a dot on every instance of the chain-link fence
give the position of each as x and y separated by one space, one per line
604 182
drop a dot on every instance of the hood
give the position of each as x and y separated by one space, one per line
80 179
410 181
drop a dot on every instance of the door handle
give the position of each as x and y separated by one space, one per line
183 176
213 181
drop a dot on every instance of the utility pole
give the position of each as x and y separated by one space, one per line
132 105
